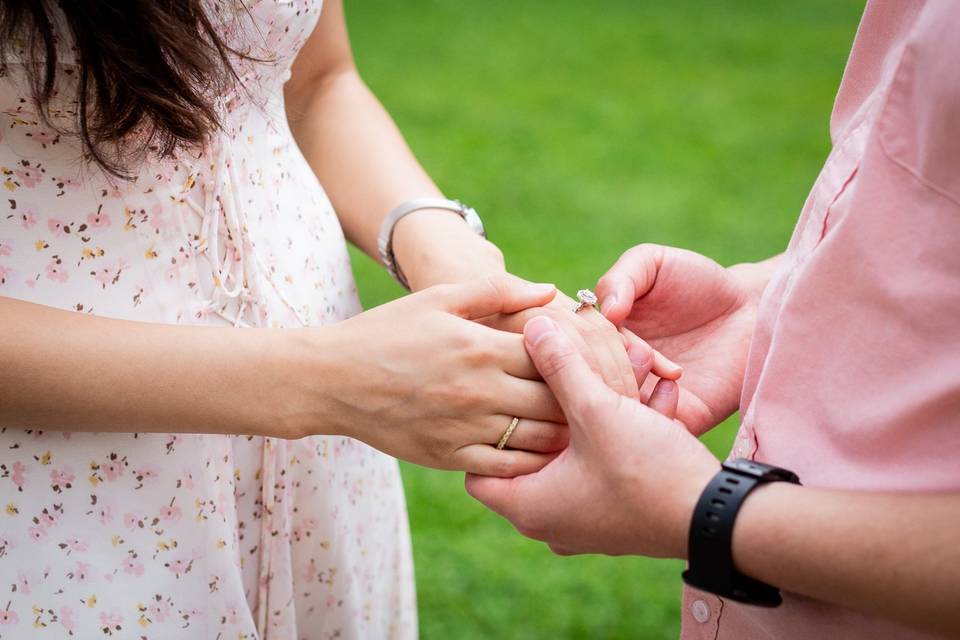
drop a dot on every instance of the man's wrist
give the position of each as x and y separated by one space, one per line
755 276
687 496
756 528
712 566
436 246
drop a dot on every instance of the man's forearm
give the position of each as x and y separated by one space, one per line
892 555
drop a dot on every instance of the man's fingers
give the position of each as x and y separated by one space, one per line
494 294
641 359
563 368
660 365
498 494
664 398
519 500
487 460
630 278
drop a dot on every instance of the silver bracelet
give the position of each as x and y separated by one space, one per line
385 240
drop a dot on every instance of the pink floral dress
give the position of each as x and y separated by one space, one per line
191 536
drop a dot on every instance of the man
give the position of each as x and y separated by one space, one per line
843 355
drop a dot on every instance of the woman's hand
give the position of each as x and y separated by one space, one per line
596 338
629 479
696 313
417 379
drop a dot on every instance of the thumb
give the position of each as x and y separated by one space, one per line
498 494
525 501
632 277
576 386
502 293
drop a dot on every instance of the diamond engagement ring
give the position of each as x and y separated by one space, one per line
587 298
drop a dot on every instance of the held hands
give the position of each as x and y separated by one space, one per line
423 382
694 312
598 341
629 478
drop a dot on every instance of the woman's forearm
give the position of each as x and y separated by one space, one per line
73 372
366 167
891 555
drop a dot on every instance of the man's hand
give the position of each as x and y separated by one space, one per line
694 312
595 337
627 482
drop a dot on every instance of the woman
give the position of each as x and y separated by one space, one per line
206 130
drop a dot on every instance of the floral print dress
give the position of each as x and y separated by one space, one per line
190 536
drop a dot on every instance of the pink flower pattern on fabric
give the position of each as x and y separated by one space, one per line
192 536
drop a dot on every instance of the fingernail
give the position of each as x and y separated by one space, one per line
668 367
665 387
607 303
539 328
640 358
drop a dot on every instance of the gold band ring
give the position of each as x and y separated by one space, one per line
506 434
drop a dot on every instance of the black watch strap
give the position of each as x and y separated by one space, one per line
710 547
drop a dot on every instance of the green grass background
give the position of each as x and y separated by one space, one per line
579 129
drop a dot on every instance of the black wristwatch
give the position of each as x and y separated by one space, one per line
709 550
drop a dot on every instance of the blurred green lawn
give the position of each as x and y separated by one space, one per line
579 129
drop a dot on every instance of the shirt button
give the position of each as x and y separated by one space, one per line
700 611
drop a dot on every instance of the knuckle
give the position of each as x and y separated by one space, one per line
592 407
528 526
503 467
495 287
639 250
557 439
608 280
594 332
461 341
475 353
560 316
435 295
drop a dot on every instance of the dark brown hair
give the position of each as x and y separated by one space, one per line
148 71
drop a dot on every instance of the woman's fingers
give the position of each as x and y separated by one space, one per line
483 297
511 355
530 435
664 398
526 399
615 366
487 460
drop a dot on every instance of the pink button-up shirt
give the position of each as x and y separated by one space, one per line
853 379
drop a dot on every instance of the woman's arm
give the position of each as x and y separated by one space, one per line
367 169
69 371
439 397
366 166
